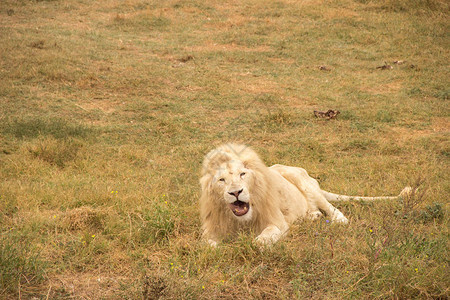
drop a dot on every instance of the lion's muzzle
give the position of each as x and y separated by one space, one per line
236 193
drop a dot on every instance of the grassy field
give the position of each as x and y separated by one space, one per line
108 107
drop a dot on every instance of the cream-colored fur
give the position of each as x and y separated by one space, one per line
239 192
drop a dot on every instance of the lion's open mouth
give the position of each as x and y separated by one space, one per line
239 208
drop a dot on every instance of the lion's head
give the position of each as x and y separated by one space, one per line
234 183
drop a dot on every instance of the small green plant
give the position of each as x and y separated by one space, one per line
434 211
158 223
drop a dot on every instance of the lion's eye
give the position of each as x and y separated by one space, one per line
222 179
242 174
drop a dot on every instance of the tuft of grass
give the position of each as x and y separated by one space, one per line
56 152
21 265
157 223
385 116
276 119
83 218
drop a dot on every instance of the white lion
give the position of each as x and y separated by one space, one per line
239 192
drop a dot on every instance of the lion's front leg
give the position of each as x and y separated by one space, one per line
270 235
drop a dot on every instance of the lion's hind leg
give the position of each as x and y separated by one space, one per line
319 202
316 199
335 214
313 194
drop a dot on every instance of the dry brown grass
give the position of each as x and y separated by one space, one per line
107 108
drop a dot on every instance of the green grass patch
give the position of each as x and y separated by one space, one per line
33 127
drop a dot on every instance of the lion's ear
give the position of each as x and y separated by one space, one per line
250 164
205 182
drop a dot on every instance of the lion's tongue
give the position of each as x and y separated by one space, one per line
239 208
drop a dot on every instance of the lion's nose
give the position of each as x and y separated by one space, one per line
236 193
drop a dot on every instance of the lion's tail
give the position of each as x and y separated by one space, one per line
335 197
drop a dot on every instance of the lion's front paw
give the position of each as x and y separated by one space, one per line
212 243
264 240
341 220
270 235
